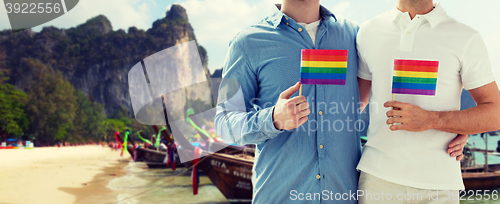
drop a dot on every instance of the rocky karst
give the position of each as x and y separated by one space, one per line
93 57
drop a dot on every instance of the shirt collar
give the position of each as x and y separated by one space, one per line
436 16
278 16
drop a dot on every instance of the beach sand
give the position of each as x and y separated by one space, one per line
58 175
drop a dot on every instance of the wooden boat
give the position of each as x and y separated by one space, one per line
485 177
481 180
230 173
156 159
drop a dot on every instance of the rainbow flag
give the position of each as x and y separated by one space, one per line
326 67
416 77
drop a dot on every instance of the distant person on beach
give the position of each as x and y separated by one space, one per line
425 58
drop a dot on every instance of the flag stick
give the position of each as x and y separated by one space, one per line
300 90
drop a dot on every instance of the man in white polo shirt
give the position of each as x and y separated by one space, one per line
408 135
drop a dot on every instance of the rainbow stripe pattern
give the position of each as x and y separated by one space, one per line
324 67
416 77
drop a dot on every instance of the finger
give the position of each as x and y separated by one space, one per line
459 140
394 120
304 113
455 148
302 106
394 104
393 113
297 100
397 127
460 157
290 91
456 153
302 121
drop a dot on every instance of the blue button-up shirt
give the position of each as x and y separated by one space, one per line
317 161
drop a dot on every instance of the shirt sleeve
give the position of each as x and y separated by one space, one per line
363 70
476 66
237 120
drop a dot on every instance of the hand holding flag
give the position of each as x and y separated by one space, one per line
290 113
412 77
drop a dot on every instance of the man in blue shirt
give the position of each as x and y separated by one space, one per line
307 147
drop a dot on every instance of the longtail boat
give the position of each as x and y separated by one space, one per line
484 177
156 159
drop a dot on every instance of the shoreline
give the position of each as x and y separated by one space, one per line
55 175
96 191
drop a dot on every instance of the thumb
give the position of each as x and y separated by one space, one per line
290 91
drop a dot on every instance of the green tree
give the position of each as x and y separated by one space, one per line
111 126
13 119
119 121
51 103
88 124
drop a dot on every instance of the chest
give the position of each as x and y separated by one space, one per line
394 42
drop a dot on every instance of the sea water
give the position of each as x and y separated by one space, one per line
143 185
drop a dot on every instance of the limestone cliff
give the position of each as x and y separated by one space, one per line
93 57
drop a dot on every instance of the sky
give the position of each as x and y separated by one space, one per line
216 22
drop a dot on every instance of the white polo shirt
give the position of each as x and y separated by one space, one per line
418 159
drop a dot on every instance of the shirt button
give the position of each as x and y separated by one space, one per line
300 29
318 176
320 112
408 32
321 146
287 23
286 18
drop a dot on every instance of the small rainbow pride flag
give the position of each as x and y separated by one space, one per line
416 77
325 67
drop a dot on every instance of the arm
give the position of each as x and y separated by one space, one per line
364 92
238 120
482 118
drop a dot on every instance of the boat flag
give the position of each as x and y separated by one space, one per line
195 177
415 77
171 156
144 140
158 138
124 146
323 67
